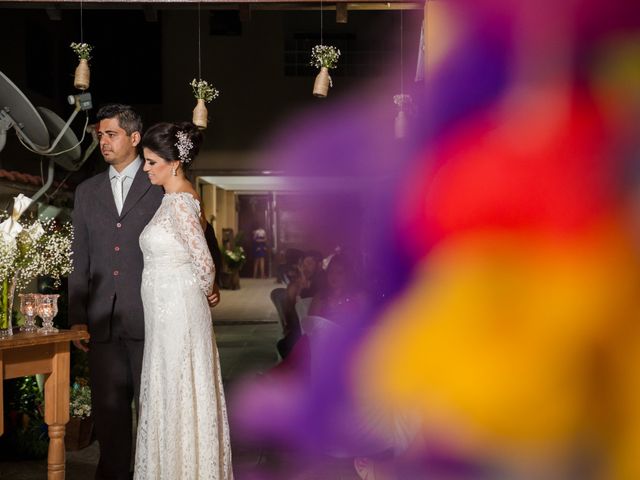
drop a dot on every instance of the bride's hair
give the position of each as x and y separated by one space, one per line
174 141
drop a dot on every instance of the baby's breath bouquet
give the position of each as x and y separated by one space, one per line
203 90
80 399
30 248
44 248
403 101
83 50
324 56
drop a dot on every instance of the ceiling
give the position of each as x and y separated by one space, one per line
281 183
216 4
247 183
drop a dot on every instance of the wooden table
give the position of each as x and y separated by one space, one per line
28 354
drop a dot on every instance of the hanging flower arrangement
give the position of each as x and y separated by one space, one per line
82 74
402 100
404 103
204 93
323 57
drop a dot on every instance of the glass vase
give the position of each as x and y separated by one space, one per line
47 309
28 306
6 308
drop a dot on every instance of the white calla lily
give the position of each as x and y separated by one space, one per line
20 204
10 229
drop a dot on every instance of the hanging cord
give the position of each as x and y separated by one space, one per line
61 183
401 56
321 24
81 28
199 49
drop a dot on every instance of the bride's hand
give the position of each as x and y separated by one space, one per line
214 298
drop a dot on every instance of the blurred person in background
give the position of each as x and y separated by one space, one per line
305 281
259 237
341 296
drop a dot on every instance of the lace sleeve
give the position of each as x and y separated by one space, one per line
186 219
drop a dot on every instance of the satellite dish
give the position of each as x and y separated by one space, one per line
17 112
55 124
16 109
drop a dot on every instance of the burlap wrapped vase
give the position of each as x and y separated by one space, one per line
321 85
82 75
200 114
401 124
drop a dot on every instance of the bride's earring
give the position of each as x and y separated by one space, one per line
173 172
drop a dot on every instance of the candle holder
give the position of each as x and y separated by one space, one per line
28 307
47 309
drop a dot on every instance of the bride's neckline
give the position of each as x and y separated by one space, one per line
166 194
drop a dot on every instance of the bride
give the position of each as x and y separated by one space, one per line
183 431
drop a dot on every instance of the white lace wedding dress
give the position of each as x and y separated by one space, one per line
183 433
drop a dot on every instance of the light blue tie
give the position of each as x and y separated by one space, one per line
118 193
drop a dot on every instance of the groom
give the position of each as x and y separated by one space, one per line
111 209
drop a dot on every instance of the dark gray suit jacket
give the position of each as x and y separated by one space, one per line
105 282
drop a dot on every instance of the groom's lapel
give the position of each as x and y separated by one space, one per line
138 188
104 195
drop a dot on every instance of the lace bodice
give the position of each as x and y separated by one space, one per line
179 215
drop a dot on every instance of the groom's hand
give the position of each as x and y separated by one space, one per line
81 344
214 298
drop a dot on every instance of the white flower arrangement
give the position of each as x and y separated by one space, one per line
32 248
203 90
45 252
324 56
83 50
235 258
402 100
80 399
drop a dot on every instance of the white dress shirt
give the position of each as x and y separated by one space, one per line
121 182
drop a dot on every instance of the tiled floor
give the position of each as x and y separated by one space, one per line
247 328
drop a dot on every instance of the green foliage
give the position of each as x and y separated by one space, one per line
27 433
29 399
234 258
80 399
32 441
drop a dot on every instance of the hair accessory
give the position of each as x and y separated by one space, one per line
184 146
